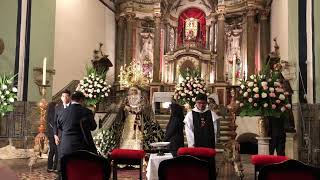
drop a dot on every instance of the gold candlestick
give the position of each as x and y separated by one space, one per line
41 140
233 146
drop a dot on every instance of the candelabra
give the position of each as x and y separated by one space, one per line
41 140
233 146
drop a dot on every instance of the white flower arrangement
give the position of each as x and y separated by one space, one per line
187 91
8 94
94 87
264 95
104 141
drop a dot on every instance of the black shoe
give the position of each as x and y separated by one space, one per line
50 170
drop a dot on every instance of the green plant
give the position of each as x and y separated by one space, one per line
8 94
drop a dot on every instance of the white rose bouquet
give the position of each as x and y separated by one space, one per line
104 141
187 91
94 87
263 95
8 94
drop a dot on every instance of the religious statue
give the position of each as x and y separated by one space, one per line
132 132
147 46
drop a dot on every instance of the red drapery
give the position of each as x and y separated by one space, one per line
197 14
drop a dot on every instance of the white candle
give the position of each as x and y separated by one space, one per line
234 71
44 71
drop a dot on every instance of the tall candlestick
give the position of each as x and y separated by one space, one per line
234 71
44 71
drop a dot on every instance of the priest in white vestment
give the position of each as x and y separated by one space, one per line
201 124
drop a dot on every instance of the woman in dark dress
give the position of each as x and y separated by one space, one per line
174 130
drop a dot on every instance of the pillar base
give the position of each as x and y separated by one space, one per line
263 145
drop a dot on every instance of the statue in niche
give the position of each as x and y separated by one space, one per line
191 29
233 54
146 50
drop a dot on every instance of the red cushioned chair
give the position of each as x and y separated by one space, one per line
262 160
291 170
84 165
207 154
185 168
128 157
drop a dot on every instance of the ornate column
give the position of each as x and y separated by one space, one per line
213 27
220 46
264 37
250 42
156 49
208 37
119 47
129 39
167 36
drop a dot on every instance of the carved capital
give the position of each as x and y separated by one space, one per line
221 17
251 11
264 14
120 20
130 16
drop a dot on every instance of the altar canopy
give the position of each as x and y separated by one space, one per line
192 27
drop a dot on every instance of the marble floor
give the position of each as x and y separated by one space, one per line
39 172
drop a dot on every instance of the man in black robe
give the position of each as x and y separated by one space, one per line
201 124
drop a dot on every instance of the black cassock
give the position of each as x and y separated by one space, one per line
174 134
74 135
203 129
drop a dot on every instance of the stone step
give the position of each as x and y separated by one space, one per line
160 117
225 133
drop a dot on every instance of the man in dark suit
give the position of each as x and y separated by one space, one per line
65 99
53 153
75 123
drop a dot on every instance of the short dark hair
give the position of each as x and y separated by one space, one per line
77 96
66 91
202 97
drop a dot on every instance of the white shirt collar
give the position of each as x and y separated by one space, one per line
66 105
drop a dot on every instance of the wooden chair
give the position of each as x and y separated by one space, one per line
185 168
291 170
84 165
262 160
207 154
127 157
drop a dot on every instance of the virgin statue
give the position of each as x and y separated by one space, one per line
132 131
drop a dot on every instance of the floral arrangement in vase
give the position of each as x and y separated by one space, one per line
191 85
8 94
94 87
263 95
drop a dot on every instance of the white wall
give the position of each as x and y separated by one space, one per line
279 26
284 26
80 26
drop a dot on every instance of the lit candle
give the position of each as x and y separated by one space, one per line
234 70
44 71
